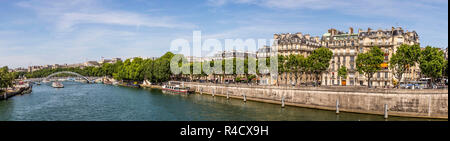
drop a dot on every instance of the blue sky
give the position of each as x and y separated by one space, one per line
38 32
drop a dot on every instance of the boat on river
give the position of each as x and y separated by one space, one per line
175 87
57 85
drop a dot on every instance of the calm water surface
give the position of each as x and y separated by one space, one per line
99 102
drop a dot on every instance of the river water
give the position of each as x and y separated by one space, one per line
99 102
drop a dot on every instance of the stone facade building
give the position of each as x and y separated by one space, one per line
346 46
299 44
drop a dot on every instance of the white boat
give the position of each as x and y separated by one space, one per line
175 87
57 85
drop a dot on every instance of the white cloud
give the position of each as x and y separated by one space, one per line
69 20
388 8
67 14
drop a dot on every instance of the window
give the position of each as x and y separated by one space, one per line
386 74
378 74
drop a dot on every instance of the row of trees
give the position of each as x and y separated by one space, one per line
136 69
431 62
316 63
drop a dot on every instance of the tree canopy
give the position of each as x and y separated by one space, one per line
6 78
342 72
431 62
404 58
319 61
369 62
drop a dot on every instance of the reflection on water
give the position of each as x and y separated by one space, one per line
93 102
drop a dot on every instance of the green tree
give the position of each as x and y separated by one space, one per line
295 65
6 78
431 63
342 72
319 61
405 57
281 66
147 70
162 71
445 69
370 62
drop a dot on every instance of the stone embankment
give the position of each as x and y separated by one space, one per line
425 103
22 89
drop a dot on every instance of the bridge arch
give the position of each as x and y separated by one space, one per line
66 72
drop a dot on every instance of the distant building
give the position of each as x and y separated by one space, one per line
20 70
233 54
112 61
263 52
91 64
191 59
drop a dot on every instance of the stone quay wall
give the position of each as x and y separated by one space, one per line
400 102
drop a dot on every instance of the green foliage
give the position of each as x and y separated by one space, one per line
405 57
6 78
281 65
445 69
296 64
431 62
136 69
370 62
342 72
319 61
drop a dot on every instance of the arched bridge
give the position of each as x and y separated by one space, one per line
66 72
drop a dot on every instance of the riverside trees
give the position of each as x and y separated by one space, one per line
431 62
370 62
6 78
319 61
316 63
136 69
404 58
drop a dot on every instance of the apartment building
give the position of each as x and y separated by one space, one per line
347 45
299 44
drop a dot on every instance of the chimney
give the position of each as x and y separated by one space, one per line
351 30
275 36
368 29
299 34
307 36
